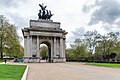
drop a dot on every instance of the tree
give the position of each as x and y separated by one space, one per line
92 38
70 54
78 50
44 52
108 44
9 40
95 47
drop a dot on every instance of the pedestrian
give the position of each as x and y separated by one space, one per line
5 61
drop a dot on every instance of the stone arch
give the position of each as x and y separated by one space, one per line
49 49
47 32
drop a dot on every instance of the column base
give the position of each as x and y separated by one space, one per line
59 60
37 60
31 59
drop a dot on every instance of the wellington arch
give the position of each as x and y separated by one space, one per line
47 32
44 31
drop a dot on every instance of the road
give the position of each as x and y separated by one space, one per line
70 71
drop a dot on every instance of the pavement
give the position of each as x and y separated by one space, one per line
70 71
2 62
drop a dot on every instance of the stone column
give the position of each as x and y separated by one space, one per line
52 50
55 46
28 47
64 46
38 54
25 46
61 47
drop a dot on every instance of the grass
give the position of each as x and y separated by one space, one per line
11 72
104 65
1 60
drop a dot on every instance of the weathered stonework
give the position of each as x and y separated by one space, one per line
47 32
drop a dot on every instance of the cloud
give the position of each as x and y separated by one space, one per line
71 16
104 15
85 8
14 11
11 3
17 20
111 28
77 33
107 11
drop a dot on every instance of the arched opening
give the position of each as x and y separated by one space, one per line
45 52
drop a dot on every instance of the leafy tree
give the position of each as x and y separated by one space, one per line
78 50
92 38
108 43
9 40
95 47
44 52
70 54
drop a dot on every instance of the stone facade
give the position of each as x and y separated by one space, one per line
47 32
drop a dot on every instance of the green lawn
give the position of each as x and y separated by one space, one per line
104 64
11 72
1 60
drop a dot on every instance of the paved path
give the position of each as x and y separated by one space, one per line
70 71
2 62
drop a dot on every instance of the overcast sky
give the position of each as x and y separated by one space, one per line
75 16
